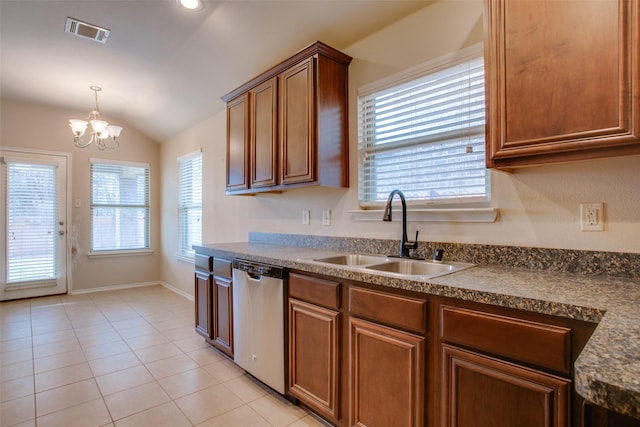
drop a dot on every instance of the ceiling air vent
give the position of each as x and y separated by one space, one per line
89 31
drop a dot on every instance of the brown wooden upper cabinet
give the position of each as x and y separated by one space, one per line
562 80
288 127
238 143
263 134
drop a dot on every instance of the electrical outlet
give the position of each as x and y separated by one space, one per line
326 217
591 217
305 217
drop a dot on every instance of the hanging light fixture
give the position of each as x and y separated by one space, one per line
102 133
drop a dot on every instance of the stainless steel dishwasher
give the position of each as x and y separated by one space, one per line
258 321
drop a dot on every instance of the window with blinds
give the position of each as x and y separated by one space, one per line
423 132
32 222
190 203
119 206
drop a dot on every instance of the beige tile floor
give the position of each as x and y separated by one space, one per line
124 358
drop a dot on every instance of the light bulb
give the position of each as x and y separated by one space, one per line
191 4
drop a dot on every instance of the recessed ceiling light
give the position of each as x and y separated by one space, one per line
191 4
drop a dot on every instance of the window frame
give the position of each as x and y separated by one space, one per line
396 81
146 248
185 250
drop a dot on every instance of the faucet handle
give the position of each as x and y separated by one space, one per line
410 247
414 244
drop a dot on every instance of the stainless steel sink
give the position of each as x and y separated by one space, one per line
418 268
353 259
395 266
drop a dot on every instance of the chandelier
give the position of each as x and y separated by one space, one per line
102 133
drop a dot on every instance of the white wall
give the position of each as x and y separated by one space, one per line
539 206
37 127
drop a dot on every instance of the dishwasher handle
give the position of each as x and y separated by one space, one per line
253 276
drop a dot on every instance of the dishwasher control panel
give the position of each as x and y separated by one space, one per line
259 269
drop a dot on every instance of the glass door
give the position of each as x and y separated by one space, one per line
34 224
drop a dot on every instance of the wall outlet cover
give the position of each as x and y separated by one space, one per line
592 216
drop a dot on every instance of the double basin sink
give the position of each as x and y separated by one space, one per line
399 267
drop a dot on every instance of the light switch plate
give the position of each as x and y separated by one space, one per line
326 217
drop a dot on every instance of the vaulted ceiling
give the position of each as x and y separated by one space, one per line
163 68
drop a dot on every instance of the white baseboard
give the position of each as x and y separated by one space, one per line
135 285
178 291
114 287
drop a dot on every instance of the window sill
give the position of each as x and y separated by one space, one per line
108 254
185 258
433 215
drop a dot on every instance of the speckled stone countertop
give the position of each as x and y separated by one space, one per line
607 372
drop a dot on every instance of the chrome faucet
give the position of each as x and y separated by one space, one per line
405 245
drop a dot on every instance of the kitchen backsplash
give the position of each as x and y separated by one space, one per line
581 262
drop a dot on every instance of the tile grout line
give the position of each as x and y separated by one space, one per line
185 349
93 374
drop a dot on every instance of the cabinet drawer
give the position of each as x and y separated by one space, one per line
203 262
317 291
405 312
222 267
530 342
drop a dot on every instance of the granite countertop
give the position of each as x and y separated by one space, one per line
607 372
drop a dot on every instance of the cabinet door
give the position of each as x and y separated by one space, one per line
480 391
562 80
297 124
203 288
387 376
238 143
313 357
264 140
222 334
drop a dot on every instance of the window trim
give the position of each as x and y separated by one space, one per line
479 214
116 253
181 254
401 78
119 252
420 70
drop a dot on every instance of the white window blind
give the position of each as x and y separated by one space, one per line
190 203
424 134
32 215
119 206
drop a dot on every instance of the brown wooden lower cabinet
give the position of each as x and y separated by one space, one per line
480 391
387 376
214 302
222 331
314 354
596 416
363 355
203 291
